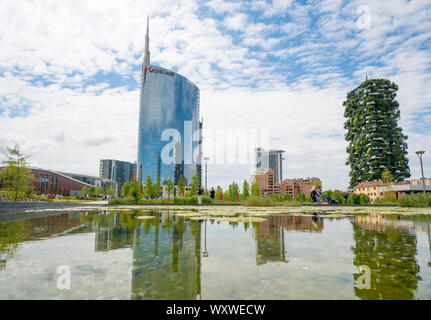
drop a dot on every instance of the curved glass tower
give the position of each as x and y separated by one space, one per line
169 143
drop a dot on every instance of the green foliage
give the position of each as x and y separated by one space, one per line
191 200
277 197
254 201
387 177
111 191
218 193
181 186
287 197
374 137
301 197
354 198
364 199
135 189
255 188
194 185
170 187
157 188
125 189
92 191
100 191
245 189
149 189
233 191
417 200
85 190
336 195
16 176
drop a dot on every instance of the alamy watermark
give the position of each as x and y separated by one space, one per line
364 280
64 278
364 20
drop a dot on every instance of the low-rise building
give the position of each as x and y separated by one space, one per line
268 187
419 182
51 182
377 189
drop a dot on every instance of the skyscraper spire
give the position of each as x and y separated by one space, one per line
146 61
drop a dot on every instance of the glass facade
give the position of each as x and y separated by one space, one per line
119 171
168 141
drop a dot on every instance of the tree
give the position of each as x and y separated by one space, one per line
85 190
170 187
287 197
148 191
17 176
125 190
255 188
354 198
317 183
233 191
194 185
181 186
135 189
301 197
157 188
375 139
219 193
92 191
387 177
111 191
364 199
100 191
245 189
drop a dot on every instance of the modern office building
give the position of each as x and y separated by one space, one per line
272 159
169 126
119 171
105 183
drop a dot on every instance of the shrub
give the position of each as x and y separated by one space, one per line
418 200
354 199
364 199
254 201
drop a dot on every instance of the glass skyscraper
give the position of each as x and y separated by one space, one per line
169 127
272 159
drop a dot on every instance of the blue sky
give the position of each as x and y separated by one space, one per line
69 75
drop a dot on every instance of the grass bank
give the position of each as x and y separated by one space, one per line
417 200
254 201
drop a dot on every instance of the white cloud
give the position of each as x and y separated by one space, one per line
69 124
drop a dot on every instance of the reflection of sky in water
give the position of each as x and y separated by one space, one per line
116 256
31 274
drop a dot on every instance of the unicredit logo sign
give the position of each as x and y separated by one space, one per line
162 71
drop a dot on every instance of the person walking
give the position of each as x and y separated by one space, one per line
314 194
319 195
200 192
212 195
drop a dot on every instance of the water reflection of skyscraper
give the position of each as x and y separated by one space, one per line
269 235
170 269
390 253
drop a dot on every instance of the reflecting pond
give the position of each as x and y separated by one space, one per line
116 255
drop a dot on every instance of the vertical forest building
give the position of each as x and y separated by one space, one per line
376 142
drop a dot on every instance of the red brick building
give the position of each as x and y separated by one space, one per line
294 187
54 183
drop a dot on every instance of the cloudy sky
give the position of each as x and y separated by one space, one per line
69 75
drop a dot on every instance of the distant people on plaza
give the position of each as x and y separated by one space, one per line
212 195
314 194
319 195
200 192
